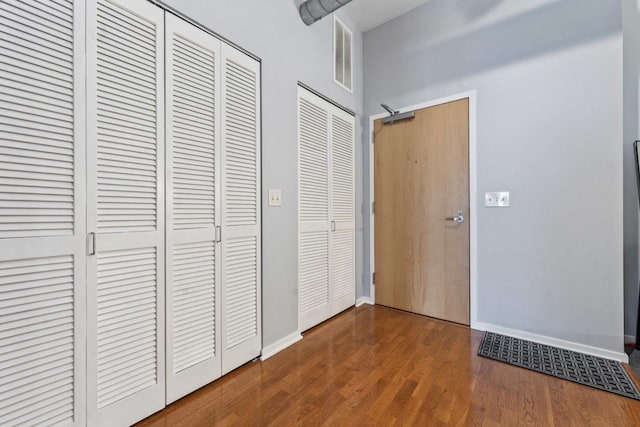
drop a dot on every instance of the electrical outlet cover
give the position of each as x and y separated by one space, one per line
497 199
275 197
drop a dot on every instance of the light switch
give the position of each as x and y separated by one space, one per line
496 199
275 197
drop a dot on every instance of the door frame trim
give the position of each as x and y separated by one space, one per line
473 196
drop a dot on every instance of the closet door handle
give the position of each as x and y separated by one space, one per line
91 244
218 234
333 226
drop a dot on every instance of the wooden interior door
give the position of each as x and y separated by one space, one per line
421 179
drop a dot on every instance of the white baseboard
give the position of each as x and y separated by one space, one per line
280 345
555 342
363 300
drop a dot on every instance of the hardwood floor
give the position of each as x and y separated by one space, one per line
380 367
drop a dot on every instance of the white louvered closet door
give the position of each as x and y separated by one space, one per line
313 209
125 210
193 197
342 292
42 219
326 209
241 247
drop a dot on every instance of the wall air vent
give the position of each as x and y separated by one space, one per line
342 54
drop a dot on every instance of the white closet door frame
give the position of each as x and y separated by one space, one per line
25 260
240 346
141 404
322 311
180 383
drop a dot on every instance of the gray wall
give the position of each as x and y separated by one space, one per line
631 26
290 52
548 76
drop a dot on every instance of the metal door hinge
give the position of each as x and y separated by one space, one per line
373 278
373 136
373 207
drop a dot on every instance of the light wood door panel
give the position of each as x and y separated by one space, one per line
421 178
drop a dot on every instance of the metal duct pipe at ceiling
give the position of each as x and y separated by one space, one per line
314 10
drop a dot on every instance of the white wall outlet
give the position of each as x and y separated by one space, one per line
275 197
497 199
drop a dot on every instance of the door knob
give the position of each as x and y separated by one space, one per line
458 218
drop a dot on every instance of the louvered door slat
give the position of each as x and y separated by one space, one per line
241 291
42 230
314 163
112 296
125 206
116 126
313 270
343 271
240 148
45 342
241 323
203 172
23 119
342 190
193 261
194 304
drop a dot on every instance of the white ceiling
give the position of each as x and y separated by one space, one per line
368 14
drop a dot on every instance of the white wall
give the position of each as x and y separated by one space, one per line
631 27
548 76
290 52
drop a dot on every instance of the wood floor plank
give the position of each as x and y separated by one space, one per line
375 366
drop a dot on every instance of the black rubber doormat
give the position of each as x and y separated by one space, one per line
592 371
